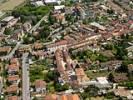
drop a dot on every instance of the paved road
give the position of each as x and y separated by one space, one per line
25 78
1 85
38 24
10 55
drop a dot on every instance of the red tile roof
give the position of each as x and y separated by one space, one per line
40 84
13 67
13 98
12 89
13 78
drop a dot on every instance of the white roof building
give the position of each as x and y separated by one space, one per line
50 1
59 7
98 25
38 3
7 19
102 80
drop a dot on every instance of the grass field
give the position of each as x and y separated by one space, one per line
10 4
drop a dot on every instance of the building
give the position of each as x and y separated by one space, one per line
13 98
12 89
98 26
9 21
122 92
5 50
17 35
62 97
12 69
27 26
57 45
51 1
13 79
81 76
38 3
40 86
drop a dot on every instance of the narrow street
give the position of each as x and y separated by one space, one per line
25 78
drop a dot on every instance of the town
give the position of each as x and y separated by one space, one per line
67 50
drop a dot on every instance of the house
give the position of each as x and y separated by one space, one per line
59 7
122 92
111 65
25 48
81 76
38 3
51 97
130 68
62 97
13 79
5 50
27 26
17 35
120 77
9 21
37 46
12 89
40 86
51 1
40 54
102 83
13 98
97 25
13 69
14 61
57 45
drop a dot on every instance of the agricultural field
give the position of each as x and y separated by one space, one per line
10 4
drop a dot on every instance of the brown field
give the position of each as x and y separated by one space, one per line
10 4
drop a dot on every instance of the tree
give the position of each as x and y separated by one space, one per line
8 31
59 87
51 19
92 91
111 77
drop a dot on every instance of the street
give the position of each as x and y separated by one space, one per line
38 24
10 55
25 78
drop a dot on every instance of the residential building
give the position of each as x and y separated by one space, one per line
13 98
40 86
12 69
62 97
13 79
12 89
5 50
9 21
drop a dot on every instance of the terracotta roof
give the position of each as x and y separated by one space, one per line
13 98
81 76
122 92
12 89
59 59
79 71
13 78
38 46
40 84
51 97
62 97
13 67
120 77
73 97
14 60
5 49
58 43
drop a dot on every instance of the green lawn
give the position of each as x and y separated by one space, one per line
93 75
